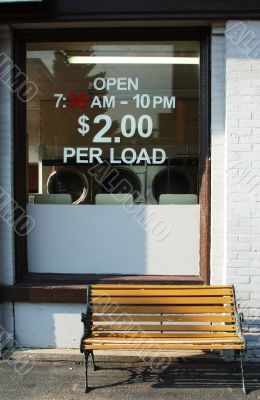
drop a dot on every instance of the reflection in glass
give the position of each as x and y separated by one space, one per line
139 79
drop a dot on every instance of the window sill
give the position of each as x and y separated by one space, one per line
57 288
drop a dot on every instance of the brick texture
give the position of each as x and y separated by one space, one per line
235 186
242 199
6 231
218 54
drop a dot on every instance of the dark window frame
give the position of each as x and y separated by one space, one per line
118 10
20 149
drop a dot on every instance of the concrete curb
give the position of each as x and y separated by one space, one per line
74 355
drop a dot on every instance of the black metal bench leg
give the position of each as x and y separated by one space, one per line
93 360
242 353
86 353
236 368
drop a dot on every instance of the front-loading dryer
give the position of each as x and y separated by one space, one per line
75 180
131 179
174 177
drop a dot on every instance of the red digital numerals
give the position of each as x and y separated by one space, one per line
75 101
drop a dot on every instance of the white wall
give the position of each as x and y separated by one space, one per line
115 239
48 325
235 211
218 119
6 233
6 152
243 172
235 230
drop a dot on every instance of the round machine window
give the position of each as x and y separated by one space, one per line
171 180
69 181
121 180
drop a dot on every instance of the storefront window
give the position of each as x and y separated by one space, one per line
114 123
113 157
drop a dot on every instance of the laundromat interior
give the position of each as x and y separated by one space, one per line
132 204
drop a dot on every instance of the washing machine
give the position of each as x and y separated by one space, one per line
179 176
124 179
75 180
84 182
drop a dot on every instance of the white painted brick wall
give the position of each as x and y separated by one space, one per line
218 54
6 232
243 172
235 229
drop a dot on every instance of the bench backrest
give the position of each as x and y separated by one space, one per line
161 311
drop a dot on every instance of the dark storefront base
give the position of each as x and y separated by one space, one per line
55 288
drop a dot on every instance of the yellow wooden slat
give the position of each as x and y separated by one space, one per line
137 327
163 318
161 292
166 341
219 346
208 339
116 335
188 287
164 300
153 309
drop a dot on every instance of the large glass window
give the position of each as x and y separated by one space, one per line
114 122
113 157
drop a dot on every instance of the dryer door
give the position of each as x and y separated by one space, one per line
70 181
171 180
121 180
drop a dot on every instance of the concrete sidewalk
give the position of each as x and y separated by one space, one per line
123 378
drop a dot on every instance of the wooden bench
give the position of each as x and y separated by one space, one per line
160 317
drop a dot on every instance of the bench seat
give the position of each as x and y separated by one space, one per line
161 318
183 343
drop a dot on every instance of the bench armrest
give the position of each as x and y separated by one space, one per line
86 319
83 318
239 319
